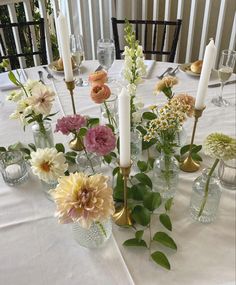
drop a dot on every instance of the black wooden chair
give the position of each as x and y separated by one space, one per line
8 46
153 43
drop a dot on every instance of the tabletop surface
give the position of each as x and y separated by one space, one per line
35 249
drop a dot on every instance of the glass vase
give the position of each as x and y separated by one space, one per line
166 175
47 186
43 139
94 237
89 163
209 212
136 145
181 138
109 111
227 174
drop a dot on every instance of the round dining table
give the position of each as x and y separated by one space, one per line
36 250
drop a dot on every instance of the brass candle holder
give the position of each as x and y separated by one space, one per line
189 165
71 86
122 216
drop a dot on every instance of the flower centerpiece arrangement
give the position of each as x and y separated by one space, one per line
34 103
219 147
93 139
87 203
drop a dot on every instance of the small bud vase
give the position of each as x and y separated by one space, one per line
136 145
94 237
43 136
88 162
166 175
210 209
48 186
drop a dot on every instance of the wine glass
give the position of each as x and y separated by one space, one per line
77 53
105 53
225 70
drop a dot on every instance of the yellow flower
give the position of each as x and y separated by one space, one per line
84 199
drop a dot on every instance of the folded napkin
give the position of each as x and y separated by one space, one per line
149 64
5 82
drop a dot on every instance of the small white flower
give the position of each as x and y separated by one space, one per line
15 96
139 51
30 84
28 110
131 89
127 74
136 117
48 164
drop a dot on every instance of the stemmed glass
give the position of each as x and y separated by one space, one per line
77 53
105 53
225 70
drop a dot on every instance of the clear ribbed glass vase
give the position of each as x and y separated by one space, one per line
89 163
94 237
166 175
43 139
210 209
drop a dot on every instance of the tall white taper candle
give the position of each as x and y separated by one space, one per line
124 127
208 62
64 39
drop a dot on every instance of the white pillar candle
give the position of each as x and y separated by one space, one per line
124 127
13 171
208 62
64 39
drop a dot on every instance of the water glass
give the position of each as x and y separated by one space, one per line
105 53
227 174
13 167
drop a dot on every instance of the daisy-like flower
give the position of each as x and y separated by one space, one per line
41 99
84 199
220 146
48 164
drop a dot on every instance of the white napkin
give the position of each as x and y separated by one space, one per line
5 82
149 64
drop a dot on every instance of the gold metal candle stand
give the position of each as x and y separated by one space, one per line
189 165
71 86
122 216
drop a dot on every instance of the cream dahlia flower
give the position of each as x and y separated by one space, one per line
84 199
48 164
220 146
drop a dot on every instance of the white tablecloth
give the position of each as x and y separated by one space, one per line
35 249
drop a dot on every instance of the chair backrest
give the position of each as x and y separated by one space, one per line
154 38
24 29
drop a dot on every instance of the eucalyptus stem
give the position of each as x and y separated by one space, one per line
207 187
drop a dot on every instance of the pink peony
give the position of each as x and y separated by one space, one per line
70 124
100 140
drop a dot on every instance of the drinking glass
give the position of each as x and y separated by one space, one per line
77 52
106 53
225 70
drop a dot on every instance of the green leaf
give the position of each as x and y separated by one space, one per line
165 240
141 215
168 204
184 149
161 259
135 242
142 130
82 132
113 154
149 116
13 79
151 162
166 222
32 146
93 122
152 201
196 149
144 179
139 191
146 145
118 192
115 171
25 150
2 149
142 165
60 147
196 157
139 235
108 158
70 156
111 127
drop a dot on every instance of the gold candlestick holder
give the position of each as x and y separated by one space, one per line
122 216
189 165
71 86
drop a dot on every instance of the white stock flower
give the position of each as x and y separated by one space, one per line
127 74
30 84
138 103
15 96
136 117
48 164
128 62
139 51
131 89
